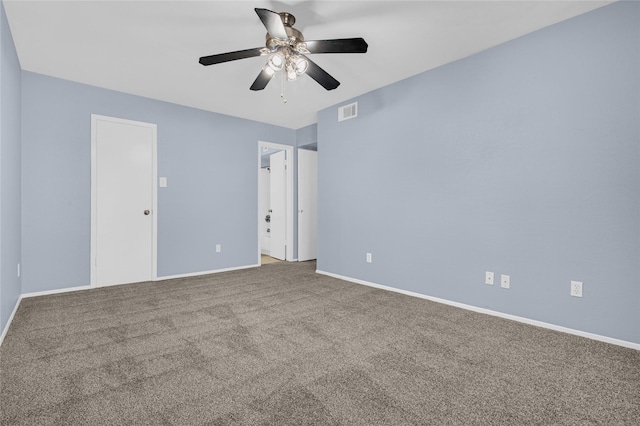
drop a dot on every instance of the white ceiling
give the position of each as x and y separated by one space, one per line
151 48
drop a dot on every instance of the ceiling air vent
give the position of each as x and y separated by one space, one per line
348 111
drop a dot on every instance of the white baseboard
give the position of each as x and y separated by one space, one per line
524 320
6 327
57 291
197 274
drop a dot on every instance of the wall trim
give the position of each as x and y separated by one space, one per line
56 291
6 327
197 274
592 336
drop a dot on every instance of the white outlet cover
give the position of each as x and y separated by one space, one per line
576 288
163 182
369 260
505 281
218 248
488 278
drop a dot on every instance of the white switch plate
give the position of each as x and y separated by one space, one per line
488 278
163 182
218 248
368 257
505 281
576 288
18 270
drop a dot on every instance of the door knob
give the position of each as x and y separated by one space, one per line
146 212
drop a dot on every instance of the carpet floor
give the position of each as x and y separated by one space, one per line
281 345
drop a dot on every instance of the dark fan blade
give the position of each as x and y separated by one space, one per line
340 45
321 76
273 23
261 81
230 56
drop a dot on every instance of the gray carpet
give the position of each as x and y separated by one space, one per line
281 345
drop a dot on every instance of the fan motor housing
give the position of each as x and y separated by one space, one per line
287 19
294 35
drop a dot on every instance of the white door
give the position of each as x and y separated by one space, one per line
264 189
123 201
278 200
307 204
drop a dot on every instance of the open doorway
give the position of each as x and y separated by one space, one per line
275 202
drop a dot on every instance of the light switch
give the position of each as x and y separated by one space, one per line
163 182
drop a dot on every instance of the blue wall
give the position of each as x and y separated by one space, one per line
307 135
521 160
10 215
210 161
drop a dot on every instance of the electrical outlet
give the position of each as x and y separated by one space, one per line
19 270
505 281
488 278
368 257
576 288
218 248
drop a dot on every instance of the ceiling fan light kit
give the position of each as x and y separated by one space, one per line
285 58
287 50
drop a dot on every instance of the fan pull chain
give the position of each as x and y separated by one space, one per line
284 82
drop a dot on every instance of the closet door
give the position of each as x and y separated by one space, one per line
307 204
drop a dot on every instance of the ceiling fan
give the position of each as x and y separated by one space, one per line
287 50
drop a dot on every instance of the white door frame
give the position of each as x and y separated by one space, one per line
290 207
94 194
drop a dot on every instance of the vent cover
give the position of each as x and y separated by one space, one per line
348 111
